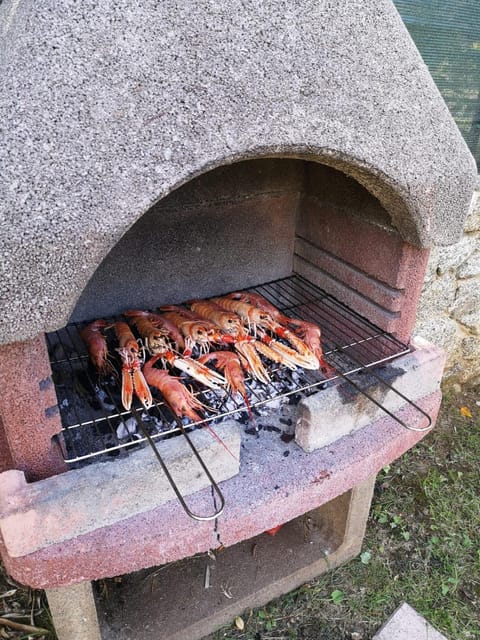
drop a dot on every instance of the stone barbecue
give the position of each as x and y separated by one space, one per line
166 151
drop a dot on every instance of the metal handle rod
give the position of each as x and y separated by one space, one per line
214 485
389 386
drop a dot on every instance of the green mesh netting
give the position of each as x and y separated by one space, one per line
447 34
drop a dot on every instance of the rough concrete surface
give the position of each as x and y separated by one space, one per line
406 624
335 412
73 612
151 604
108 107
50 511
29 415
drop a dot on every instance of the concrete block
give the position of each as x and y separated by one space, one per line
63 507
407 624
73 612
29 415
335 412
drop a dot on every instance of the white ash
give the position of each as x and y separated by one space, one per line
273 404
127 428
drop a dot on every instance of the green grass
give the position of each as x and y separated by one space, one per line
422 546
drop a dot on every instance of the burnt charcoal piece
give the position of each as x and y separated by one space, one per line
286 454
252 431
286 421
294 398
270 427
287 437
243 418
320 387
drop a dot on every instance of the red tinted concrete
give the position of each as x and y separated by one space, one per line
304 548
380 293
36 515
272 488
366 266
374 249
6 461
29 414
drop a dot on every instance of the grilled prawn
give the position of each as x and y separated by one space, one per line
268 317
178 398
162 326
132 377
251 315
225 319
196 330
97 346
232 324
155 339
229 364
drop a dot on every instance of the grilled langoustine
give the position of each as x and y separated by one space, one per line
229 364
97 346
157 328
155 339
303 336
226 320
177 397
197 331
251 315
133 380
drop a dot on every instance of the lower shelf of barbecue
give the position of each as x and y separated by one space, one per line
223 584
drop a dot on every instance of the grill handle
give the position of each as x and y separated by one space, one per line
213 484
369 368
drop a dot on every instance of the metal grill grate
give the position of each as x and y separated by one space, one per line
95 424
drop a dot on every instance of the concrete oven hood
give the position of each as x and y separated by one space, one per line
108 107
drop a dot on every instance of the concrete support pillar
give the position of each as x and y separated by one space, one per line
73 612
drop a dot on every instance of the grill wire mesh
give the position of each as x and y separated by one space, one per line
95 423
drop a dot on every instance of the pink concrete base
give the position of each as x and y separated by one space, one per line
29 414
271 488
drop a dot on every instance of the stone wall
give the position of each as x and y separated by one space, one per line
449 308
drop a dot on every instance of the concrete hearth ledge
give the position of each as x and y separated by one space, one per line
110 109
277 482
336 411
34 516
